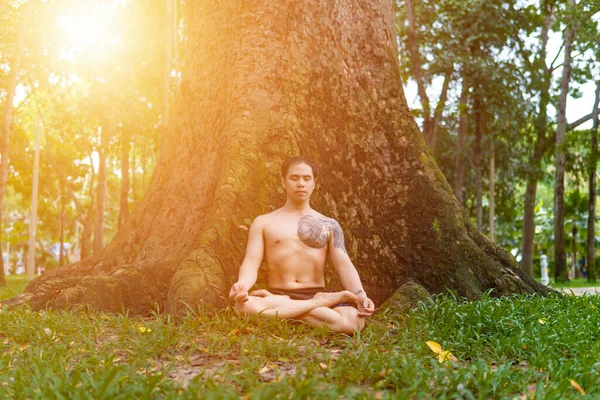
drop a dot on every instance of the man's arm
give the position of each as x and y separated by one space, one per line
252 261
346 270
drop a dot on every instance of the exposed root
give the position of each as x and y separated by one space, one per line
199 279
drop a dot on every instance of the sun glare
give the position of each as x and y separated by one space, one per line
88 35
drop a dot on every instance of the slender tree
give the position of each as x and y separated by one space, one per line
560 268
591 227
461 138
7 114
542 80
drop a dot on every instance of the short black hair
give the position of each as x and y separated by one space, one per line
299 160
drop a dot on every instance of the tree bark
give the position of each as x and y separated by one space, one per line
460 140
263 81
591 228
560 271
539 149
5 127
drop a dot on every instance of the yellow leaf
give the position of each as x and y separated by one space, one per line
434 346
542 321
234 332
23 347
577 386
322 365
143 329
443 355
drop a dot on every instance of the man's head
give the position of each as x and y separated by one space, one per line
298 178
285 167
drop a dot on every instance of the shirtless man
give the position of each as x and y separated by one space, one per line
295 240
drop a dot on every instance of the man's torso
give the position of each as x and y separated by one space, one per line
296 249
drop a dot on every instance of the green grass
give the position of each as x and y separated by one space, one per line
574 283
504 348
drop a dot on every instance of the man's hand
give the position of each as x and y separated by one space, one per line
238 293
366 307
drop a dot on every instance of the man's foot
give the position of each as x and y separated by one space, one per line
331 299
261 293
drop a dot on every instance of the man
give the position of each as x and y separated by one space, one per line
295 241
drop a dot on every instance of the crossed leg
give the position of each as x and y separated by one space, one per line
314 312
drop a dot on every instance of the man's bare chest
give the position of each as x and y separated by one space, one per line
310 230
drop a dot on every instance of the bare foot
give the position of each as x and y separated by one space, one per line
331 299
261 293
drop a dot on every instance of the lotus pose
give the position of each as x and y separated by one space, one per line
295 241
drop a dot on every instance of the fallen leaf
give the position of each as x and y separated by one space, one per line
143 329
48 332
23 347
542 321
434 346
577 386
234 332
443 355
322 365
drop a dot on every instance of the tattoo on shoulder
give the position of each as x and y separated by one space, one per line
315 232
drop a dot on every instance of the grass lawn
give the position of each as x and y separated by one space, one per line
574 283
518 347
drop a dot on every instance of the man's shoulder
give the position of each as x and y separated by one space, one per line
324 218
265 218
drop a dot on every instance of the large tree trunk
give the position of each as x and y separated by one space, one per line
263 81
560 267
591 228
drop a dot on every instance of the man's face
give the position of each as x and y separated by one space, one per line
299 182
